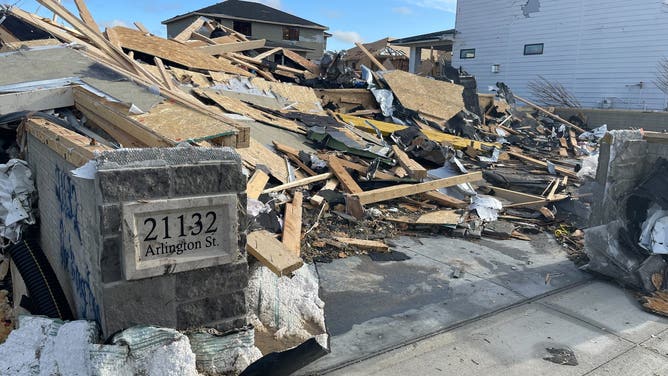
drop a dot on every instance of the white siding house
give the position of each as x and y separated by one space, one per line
604 52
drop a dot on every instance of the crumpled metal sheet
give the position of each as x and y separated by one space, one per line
17 190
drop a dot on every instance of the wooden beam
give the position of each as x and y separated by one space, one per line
292 227
331 185
536 162
656 137
266 54
549 114
367 245
267 76
85 14
226 48
141 27
194 26
299 183
304 62
166 77
445 200
197 36
71 146
414 169
272 253
368 54
514 196
389 193
256 184
347 182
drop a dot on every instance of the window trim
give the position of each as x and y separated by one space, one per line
288 31
462 52
542 49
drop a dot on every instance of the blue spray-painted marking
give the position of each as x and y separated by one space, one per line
69 225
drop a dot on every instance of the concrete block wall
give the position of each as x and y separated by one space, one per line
625 160
90 267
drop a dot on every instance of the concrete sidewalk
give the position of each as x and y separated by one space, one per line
601 323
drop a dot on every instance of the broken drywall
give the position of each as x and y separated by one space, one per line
291 306
531 6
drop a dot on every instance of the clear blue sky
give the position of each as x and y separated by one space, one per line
348 20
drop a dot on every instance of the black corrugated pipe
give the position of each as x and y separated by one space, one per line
46 295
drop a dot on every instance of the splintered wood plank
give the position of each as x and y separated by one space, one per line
163 73
514 196
368 54
71 146
389 193
302 98
185 34
441 217
258 154
349 184
445 200
272 253
331 185
219 49
304 62
236 106
299 183
256 184
266 54
439 99
85 14
167 50
367 245
413 168
536 162
292 228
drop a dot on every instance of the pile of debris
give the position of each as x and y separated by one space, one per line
347 168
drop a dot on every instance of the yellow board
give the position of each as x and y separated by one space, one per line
432 134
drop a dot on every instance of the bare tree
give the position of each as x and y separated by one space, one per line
662 75
552 94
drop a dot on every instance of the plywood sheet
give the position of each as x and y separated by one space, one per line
304 98
180 123
438 99
257 154
166 49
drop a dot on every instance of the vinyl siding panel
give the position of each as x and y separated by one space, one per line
596 49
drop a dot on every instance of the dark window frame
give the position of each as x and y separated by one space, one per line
463 53
243 27
291 33
530 45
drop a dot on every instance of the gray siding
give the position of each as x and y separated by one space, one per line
596 49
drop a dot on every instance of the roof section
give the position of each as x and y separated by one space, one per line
431 37
247 10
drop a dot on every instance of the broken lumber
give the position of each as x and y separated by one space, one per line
445 200
368 54
292 228
367 245
414 169
549 114
220 49
272 253
349 184
256 184
389 193
536 162
329 186
300 183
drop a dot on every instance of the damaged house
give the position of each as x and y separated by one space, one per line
606 54
259 21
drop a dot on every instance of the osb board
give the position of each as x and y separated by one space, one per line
347 99
186 77
221 77
257 154
166 49
304 98
439 99
180 123
236 106
227 66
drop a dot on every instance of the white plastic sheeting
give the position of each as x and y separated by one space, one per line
654 236
16 194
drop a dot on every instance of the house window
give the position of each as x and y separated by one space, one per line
290 33
467 54
533 49
243 27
